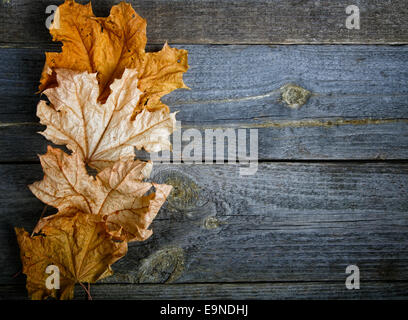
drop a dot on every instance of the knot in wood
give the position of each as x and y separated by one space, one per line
185 194
211 223
163 266
294 96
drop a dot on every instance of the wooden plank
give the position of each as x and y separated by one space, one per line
357 110
242 83
230 291
378 141
22 22
291 222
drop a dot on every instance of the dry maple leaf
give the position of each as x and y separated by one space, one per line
78 245
102 133
107 46
118 193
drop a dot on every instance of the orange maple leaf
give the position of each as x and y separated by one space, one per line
77 245
118 193
107 46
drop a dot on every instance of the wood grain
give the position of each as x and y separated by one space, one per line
250 291
291 222
22 22
357 110
230 291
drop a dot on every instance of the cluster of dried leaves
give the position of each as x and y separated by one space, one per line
104 95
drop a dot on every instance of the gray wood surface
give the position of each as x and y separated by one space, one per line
250 291
291 222
287 232
22 22
357 109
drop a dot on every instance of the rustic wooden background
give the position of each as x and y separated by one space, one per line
331 189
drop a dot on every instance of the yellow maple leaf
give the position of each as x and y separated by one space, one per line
117 193
78 246
102 133
107 46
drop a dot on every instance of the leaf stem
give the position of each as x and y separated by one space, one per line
88 291
16 274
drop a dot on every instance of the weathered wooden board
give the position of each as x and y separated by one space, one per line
358 107
242 83
259 291
290 222
377 141
230 291
22 22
